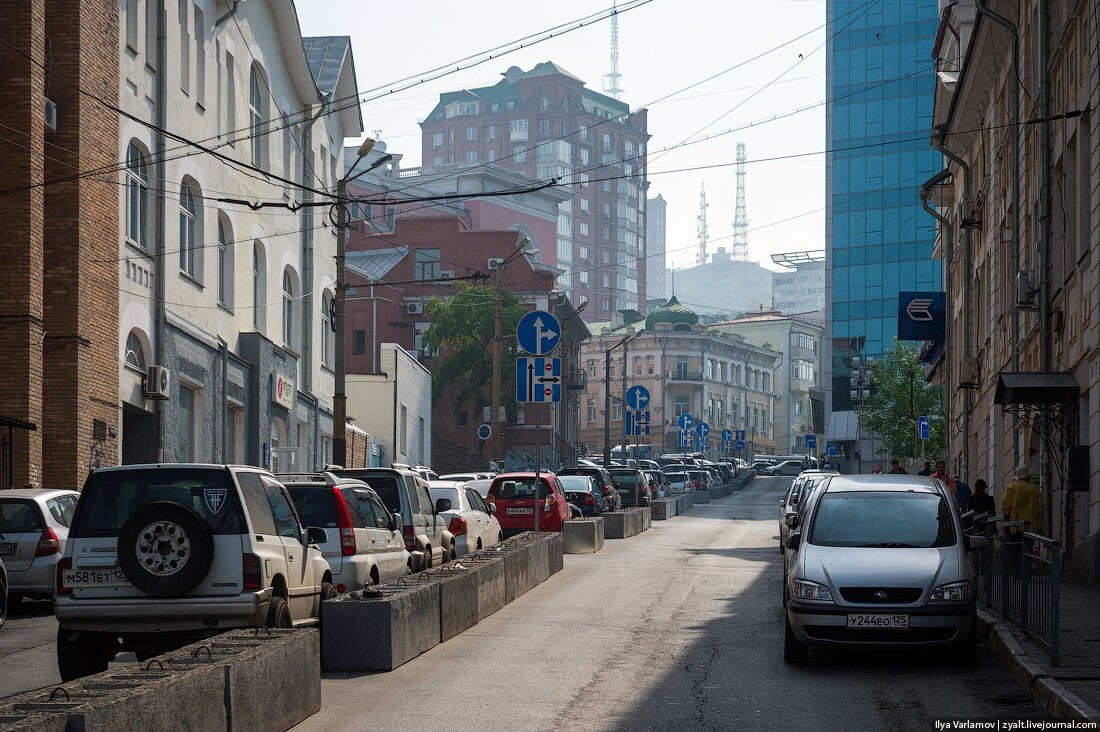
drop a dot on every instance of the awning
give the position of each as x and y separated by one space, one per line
1036 388
18 424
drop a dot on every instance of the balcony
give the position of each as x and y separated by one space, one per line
678 375
576 379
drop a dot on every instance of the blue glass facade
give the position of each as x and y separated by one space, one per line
878 238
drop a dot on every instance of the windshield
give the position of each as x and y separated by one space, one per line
519 488
384 484
882 519
676 477
630 478
20 516
576 483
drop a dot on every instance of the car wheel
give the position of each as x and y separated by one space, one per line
328 591
454 552
278 614
81 654
4 600
165 549
428 559
793 650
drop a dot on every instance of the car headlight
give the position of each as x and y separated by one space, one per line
806 590
952 592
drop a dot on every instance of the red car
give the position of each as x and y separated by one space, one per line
514 496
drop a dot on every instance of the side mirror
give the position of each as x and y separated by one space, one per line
794 540
443 504
316 535
974 543
790 517
492 507
396 522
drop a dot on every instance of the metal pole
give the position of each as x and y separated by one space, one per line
607 407
538 483
494 421
340 398
626 365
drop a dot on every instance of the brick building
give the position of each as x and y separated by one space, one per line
58 286
544 123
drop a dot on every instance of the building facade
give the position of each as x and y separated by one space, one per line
1020 249
878 240
231 300
402 432
547 125
800 290
656 266
688 368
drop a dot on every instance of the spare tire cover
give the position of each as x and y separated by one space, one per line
165 548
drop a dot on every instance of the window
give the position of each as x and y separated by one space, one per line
359 342
404 430
544 104
681 405
185 47
491 155
637 365
225 264
189 226
259 287
426 265
130 8
649 365
187 423
591 410
327 324
591 368
290 308
437 139
584 229
584 161
607 142
544 127
437 160
230 94
200 55
606 305
135 351
137 197
582 131
491 132
471 156
234 435
257 115
462 418
519 154
152 20
584 278
606 209
616 412
799 409
286 525
584 180
518 130
584 205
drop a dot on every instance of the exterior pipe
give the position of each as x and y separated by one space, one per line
161 211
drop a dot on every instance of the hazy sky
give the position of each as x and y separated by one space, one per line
664 46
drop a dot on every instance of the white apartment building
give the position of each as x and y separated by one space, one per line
231 299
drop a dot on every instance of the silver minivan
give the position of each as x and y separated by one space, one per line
880 561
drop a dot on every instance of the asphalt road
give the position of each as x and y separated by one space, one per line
679 628
28 659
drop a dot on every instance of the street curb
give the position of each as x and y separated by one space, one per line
1047 692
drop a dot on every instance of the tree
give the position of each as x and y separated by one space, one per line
900 395
462 333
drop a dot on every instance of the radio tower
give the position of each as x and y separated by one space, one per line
704 234
611 81
740 218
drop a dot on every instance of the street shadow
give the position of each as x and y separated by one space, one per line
30 609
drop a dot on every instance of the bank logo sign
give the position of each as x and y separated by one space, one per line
922 316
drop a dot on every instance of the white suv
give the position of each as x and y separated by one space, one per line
162 555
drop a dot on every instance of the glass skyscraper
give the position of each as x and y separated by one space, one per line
878 239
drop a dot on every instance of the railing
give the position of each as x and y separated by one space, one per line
1018 574
576 379
677 375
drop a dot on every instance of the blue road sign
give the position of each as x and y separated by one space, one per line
538 380
727 435
702 429
924 428
725 446
637 397
739 435
831 450
686 421
484 432
637 423
740 444
811 442
538 332
683 439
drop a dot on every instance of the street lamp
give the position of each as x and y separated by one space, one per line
861 391
340 398
607 394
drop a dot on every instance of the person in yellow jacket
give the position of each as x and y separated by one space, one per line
1024 501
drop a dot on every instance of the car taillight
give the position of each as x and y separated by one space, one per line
343 520
410 541
457 526
589 499
64 564
250 569
48 544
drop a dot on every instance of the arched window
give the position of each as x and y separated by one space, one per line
327 325
259 287
135 351
258 115
290 308
137 196
225 262
190 230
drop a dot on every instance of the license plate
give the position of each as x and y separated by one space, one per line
624 490
94 578
7 550
878 621
519 511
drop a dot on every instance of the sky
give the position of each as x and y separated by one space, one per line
664 46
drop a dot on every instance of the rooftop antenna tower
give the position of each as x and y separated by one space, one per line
704 234
740 217
611 81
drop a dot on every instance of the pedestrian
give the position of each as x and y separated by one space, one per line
895 467
926 470
981 501
1023 501
877 470
805 462
962 493
942 476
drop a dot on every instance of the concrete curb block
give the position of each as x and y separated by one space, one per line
1048 693
555 551
380 634
662 509
518 572
458 595
698 497
626 523
583 536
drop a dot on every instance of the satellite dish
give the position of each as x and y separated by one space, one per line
380 146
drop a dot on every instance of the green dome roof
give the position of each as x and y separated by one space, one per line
672 312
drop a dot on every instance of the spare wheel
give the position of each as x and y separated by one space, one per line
165 549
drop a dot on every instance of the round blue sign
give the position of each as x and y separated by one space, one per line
702 429
538 332
484 431
727 435
686 421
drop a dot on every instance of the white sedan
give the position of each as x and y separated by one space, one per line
469 518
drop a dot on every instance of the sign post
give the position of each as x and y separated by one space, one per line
538 379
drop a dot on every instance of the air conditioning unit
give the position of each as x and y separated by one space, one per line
1027 290
968 373
495 262
51 114
156 382
447 274
414 308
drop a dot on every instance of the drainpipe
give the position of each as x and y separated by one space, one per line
223 349
161 210
307 271
1008 25
968 283
948 232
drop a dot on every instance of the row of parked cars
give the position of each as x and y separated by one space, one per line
875 561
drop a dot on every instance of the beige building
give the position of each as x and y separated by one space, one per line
1018 203
687 367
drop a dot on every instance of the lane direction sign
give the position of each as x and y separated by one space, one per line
538 333
538 380
637 397
811 442
727 435
686 421
702 429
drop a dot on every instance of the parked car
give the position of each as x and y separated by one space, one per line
469 518
426 473
34 526
648 465
787 467
879 561
700 478
405 492
481 485
465 477
364 545
631 485
603 480
658 481
160 556
680 481
759 464
583 492
514 495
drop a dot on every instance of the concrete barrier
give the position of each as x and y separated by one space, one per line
626 523
380 630
555 551
662 509
289 661
458 589
583 536
699 497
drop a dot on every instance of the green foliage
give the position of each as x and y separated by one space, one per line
900 396
462 334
